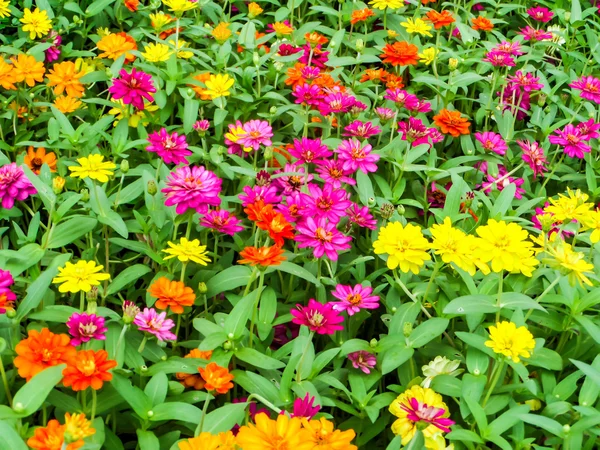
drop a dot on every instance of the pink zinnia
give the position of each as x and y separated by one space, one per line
156 324
534 156
531 34
319 57
52 53
384 114
363 360
133 88
256 133
419 106
511 48
401 98
201 126
526 81
360 129
540 14
589 87
333 173
589 130
192 188
309 150
6 281
499 59
172 148
222 221
294 208
356 156
323 237
502 181
361 216
318 317
307 93
329 202
335 103
421 412
492 142
572 141
353 299
414 131
267 194
84 327
292 182
14 185
304 407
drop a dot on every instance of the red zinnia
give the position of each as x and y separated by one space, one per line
400 54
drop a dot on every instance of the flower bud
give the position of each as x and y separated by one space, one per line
453 63
567 16
391 34
542 99
386 210
360 45
263 178
150 413
401 210
278 66
130 310
19 407
190 93
407 329
227 345
144 369
58 183
202 288
273 110
534 404
371 202
255 58
152 189
566 428
373 343
124 166
85 195
268 153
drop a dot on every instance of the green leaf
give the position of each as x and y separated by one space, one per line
364 187
476 341
296 270
504 201
224 418
592 329
545 423
236 320
575 11
54 313
394 358
257 384
157 388
254 357
126 277
464 435
589 371
31 396
407 313
182 412
190 113
247 35
114 220
147 440
228 279
37 289
506 420
427 331
133 395
43 190
546 358
516 300
9 438
70 230
417 442
175 365
97 7
471 304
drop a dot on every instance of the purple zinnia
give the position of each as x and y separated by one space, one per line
14 185
492 142
156 324
192 188
360 129
329 202
319 318
133 88
222 221
353 299
84 327
572 141
363 360
172 148
309 150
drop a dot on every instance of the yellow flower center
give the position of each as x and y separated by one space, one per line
88 367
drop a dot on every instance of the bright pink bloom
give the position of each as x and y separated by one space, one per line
329 203
287 50
336 103
418 106
84 327
303 407
572 141
499 59
534 156
293 182
267 194
361 216
318 317
415 132
421 412
6 281
323 237
201 126
385 114
333 173
589 87
360 129
309 94
310 73
492 142
510 48
319 57
51 54
256 133
355 156
531 34
294 208
172 148
133 88
222 221
309 150
353 299
401 98
192 188
363 360
156 324
540 14
14 185
526 81
589 130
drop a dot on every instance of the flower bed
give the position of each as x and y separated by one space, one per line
301 225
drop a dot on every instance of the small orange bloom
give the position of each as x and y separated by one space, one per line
217 378
117 44
131 5
173 294
254 210
294 75
199 90
165 34
324 80
7 76
375 75
425 2
26 68
36 158
88 368
400 54
450 122
360 15
191 379
439 19
41 350
393 81
275 223
483 24
51 437
315 38
6 304
262 256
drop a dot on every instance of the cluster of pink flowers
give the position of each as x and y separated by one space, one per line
516 94
327 101
244 138
500 180
573 138
503 54
14 185
416 132
539 14
408 101
222 221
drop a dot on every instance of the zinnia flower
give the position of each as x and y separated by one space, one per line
7 76
51 437
356 156
194 379
322 436
570 263
439 19
173 294
455 246
589 87
192 188
572 140
418 26
172 148
256 133
222 221
66 104
363 360
77 427
114 45
540 14
219 85
284 432
216 378
94 167
304 407
318 317
4 11
405 246
26 68
88 368
84 327
79 277
391 4
262 256
180 6
206 441
400 53
534 156
309 150
353 299
440 366
492 142
482 23
188 251
14 185
41 350
450 122
65 77
37 157
508 340
323 237
36 23
133 87
156 52
156 324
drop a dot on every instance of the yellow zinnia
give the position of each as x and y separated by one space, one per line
180 6
221 32
156 52
571 207
455 246
94 167
79 277
570 263
283 432
418 26
188 251
508 340
206 441
77 427
4 11
219 85
428 55
592 222
405 246
36 23
391 4
322 435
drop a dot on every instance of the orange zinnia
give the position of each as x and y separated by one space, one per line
450 122
114 45
65 77
27 68
315 38
262 256
36 158
400 54
361 15
173 294
483 24
439 19
6 304
275 223
375 75
41 350
255 210
88 368
194 379
324 80
217 378
199 90
132 5
51 437
7 77
294 75
393 81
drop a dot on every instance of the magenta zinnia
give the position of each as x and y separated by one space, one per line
534 156
353 299
571 140
323 237
85 327
133 88
172 148
256 133
362 360
303 407
329 203
318 317
222 221
356 156
155 324
309 150
492 142
589 87
192 188
14 185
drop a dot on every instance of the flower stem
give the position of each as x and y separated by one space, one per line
301 362
94 401
496 376
204 409
5 382
120 342
498 300
264 401
542 295
261 280
143 344
81 300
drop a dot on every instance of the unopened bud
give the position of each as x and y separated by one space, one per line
273 110
371 201
58 183
268 153
373 343
202 288
150 413
407 329
85 195
124 166
152 189
19 407
542 99
566 428
92 294
386 210
360 45
227 345
401 210
256 58
567 16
